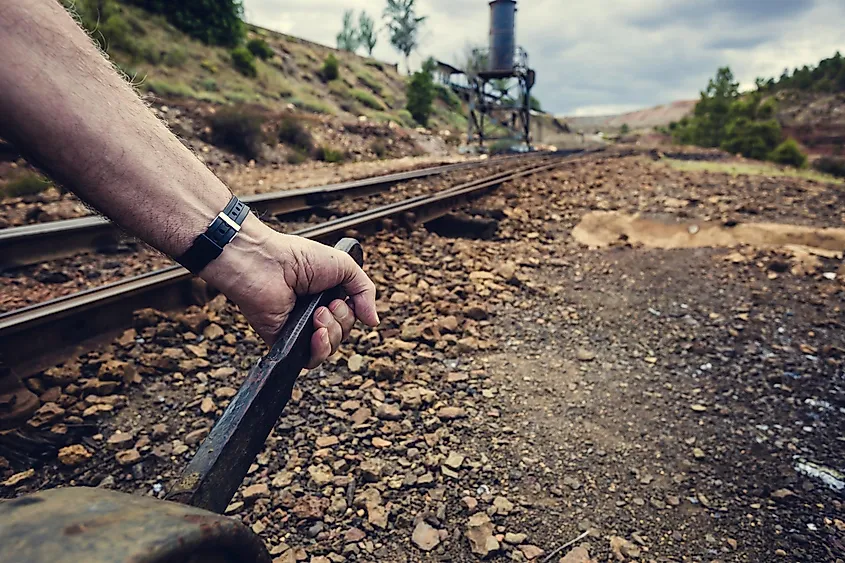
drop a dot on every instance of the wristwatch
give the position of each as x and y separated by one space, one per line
209 245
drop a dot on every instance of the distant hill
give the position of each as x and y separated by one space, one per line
656 116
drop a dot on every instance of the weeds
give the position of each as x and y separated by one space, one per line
244 61
331 69
239 129
209 66
327 154
367 99
176 57
379 148
260 49
407 118
209 85
370 82
174 90
313 105
28 183
296 157
749 169
294 134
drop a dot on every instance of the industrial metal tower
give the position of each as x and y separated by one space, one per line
499 90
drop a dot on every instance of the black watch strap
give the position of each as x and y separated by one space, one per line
222 230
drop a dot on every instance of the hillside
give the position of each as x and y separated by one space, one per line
288 115
657 116
815 119
161 59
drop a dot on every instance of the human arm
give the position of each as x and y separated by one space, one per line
67 110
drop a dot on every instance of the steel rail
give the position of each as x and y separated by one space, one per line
39 336
41 242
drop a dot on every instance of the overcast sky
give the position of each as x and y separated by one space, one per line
605 56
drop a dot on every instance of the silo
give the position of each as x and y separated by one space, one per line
502 42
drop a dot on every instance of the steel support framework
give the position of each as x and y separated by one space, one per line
501 100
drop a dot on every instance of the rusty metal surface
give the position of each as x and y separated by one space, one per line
222 460
81 524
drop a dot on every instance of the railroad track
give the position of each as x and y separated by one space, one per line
42 242
42 335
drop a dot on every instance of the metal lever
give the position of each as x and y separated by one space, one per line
223 459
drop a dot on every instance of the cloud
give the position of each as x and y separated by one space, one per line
600 54
692 13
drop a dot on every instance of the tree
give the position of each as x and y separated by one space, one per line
421 93
367 36
711 111
404 26
740 124
216 22
347 39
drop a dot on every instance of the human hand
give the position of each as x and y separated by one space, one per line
263 272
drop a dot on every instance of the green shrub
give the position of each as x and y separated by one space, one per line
406 118
831 165
116 35
239 129
331 68
625 129
371 82
296 157
260 49
294 134
209 85
209 66
240 97
151 54
244 61
176 57
102 19
750 138
339 89
313 105
420 97
216 22
367 99
212 97
789 153
168 89
28 183
327 154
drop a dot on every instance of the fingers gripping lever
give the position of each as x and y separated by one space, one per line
223 459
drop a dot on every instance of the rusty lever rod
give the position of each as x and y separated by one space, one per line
223 459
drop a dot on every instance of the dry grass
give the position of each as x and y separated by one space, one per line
751 169
170 64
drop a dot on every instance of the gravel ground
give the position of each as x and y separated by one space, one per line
243 179
34 284
521 392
